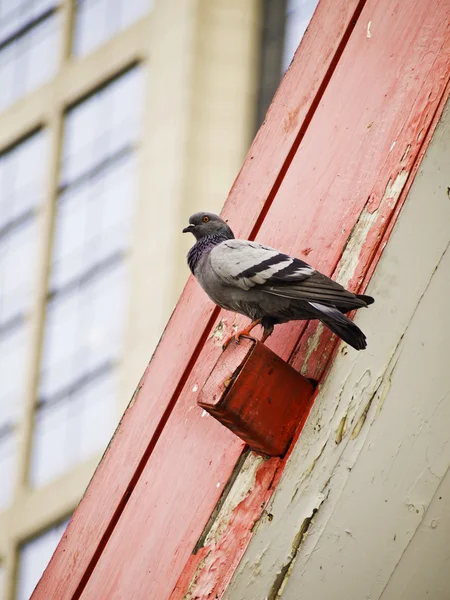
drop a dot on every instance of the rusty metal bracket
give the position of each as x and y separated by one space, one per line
257 395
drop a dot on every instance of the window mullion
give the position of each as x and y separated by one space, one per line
37 318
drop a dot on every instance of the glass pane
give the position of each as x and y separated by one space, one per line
90 26
43 53
72 220
124 124
86 309
13 354
84 331
17 262
29 59
94 220
98 20
97 417
74 429
60 345
51 447
101 126
22 177
116 189
79 137
34 557
8 451
7 72
298 16
133 11
103 318
16 14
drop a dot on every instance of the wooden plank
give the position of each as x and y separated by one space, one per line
208 572
190 324
359 152
292 109
342 171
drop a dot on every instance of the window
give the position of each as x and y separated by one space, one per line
298 16
21 191
88 280
98 20
34 557
284 24
28 46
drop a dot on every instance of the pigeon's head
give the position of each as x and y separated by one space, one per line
202 224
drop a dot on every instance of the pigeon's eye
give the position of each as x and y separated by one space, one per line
205 219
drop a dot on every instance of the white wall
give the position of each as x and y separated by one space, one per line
362 508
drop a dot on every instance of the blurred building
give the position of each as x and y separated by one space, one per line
118 119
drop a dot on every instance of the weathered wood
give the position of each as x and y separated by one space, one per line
337 186
321 180
226 541
190 324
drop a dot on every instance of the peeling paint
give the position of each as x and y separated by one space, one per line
311 468
312 345
244 483
405 154
209 571
351 255
383 395
357 429
393 190
362 419
369 33
341 429
219 332
284 573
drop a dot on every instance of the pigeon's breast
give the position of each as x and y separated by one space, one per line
222 294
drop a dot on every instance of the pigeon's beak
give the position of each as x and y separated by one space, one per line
188 229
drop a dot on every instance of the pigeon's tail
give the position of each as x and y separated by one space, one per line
367 299
341 326
349 332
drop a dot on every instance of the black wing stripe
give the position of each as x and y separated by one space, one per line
297 270
262 266
330 298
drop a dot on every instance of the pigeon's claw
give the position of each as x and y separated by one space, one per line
243 333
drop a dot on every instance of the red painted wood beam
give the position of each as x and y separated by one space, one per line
190 324
341 161
315 171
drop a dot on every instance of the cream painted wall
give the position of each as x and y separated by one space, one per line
362 508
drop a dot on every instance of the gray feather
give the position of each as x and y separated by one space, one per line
263 283
246 264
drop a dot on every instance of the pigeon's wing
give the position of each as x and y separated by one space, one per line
248 265
245 264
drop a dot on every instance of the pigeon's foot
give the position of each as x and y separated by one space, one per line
243 333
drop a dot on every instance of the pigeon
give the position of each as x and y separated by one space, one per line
266 285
